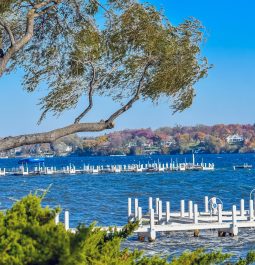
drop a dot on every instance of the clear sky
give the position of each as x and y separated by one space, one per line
227 95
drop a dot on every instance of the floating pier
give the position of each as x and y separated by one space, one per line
209 217
71 169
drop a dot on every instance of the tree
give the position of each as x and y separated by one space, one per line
133 53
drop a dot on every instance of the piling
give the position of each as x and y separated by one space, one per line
234 230
182 208
56 218
129 208
136 207
152 232
66 220
242 212
159 211
219 213
150 203
190 209
206 204
167 212
195 214
157 200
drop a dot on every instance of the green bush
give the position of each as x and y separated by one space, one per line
29 235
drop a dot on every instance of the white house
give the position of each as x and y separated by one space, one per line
235 139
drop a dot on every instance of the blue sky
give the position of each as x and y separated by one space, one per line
227 95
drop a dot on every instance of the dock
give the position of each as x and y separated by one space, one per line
210 217
154 220
71 169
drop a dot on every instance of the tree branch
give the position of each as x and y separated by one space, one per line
18 45
9 31
49 137
91 91
132 100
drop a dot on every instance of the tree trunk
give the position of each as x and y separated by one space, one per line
49 137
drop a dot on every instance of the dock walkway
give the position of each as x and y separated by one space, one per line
212 217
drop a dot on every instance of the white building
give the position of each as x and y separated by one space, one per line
235 139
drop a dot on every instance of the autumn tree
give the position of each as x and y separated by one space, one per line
121 49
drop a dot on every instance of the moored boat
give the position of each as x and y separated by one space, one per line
244 166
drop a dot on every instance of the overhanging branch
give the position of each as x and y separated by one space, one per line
90 96
130 103
49 137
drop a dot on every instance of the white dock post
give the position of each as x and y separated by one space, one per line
251 211
182 208
219 213
136 207
150 203
195 214
190 209
66 220
234 220
167 212
206 204
159 211
56 218
129 208
157 200
253 203
140 215
152 233
242 207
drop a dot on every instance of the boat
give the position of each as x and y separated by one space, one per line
31 160
244 166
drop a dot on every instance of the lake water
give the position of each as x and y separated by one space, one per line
103 198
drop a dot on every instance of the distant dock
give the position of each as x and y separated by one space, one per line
71 169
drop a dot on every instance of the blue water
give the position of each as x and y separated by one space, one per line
103 198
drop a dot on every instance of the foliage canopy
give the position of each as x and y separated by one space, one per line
119 49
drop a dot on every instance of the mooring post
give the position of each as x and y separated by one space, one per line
220 213
234 222
136 207
195 215
152 232
182 208
190 209
66 220
150 203
157 200
206 204
159 211
129 208
242 207
140 215
251 210
56 218
167 212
